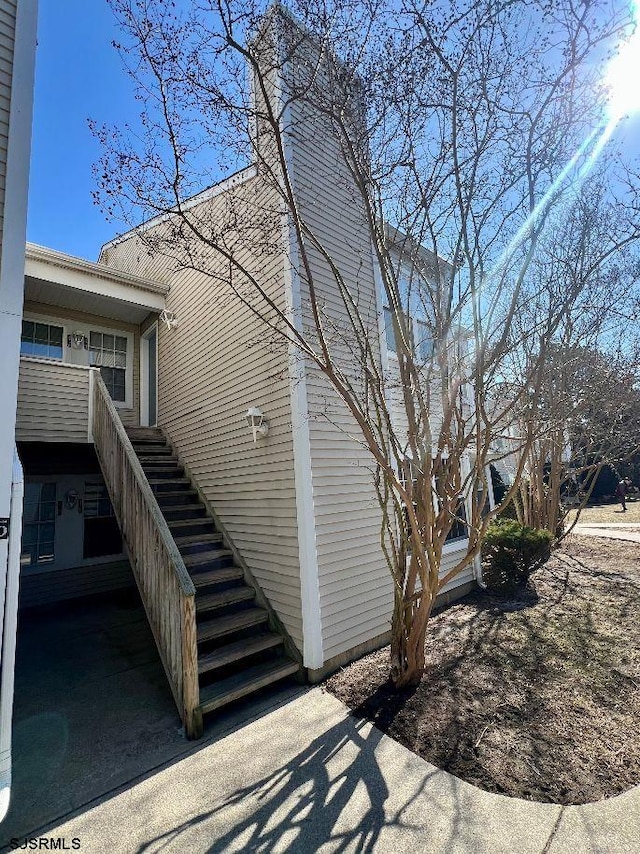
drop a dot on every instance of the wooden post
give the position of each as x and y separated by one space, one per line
190 687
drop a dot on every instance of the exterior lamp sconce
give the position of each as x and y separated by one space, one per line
169 318
77 340
257 422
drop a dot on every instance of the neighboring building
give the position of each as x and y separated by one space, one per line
17 58
277 536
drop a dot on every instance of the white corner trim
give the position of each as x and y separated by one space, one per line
144 371
313 647
18 155
14 233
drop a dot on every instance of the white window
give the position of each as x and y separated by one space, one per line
389 330
41 339
422 337
38 524
108 351
424 340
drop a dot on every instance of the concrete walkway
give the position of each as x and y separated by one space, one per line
306 777
612 531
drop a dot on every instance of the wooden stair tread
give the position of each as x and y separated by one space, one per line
205 557
236 651
216 576
245 682
166 480
221 626
228 597
196 539
170 508
186 523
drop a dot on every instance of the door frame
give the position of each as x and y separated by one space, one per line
144 371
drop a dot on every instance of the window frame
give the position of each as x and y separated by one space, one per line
29 317
127 403
457 543
37 524
417 325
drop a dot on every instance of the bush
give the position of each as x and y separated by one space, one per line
510 553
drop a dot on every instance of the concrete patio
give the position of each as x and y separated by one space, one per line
93 709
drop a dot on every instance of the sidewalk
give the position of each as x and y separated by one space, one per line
307 777
613 531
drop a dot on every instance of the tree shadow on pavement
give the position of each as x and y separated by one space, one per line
332 792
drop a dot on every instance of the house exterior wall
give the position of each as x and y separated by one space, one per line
46 588
53 402
7 39
17 55
355 588
213 366
300 505
54 395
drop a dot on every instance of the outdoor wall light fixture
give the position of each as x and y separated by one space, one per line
77 340
169 318
257 422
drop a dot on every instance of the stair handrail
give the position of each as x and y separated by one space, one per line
143 536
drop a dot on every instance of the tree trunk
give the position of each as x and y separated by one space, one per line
408 630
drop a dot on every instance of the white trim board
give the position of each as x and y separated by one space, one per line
144 369
313 651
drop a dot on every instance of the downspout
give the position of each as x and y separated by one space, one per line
10 586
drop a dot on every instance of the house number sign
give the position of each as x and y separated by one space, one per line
4 529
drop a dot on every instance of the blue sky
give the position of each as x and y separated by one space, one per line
78 75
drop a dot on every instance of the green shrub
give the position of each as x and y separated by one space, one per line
510 553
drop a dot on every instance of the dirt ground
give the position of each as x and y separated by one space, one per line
537 696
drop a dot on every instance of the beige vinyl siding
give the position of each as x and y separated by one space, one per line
80 321
49 586
354 582
449 560
53 402
215 364
7 36
355 585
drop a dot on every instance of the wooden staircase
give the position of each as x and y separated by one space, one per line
238 649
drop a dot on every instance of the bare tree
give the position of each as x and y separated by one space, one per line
586 398
456 130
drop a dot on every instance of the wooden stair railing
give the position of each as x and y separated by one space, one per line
167 590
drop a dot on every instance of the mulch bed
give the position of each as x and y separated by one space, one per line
536 696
